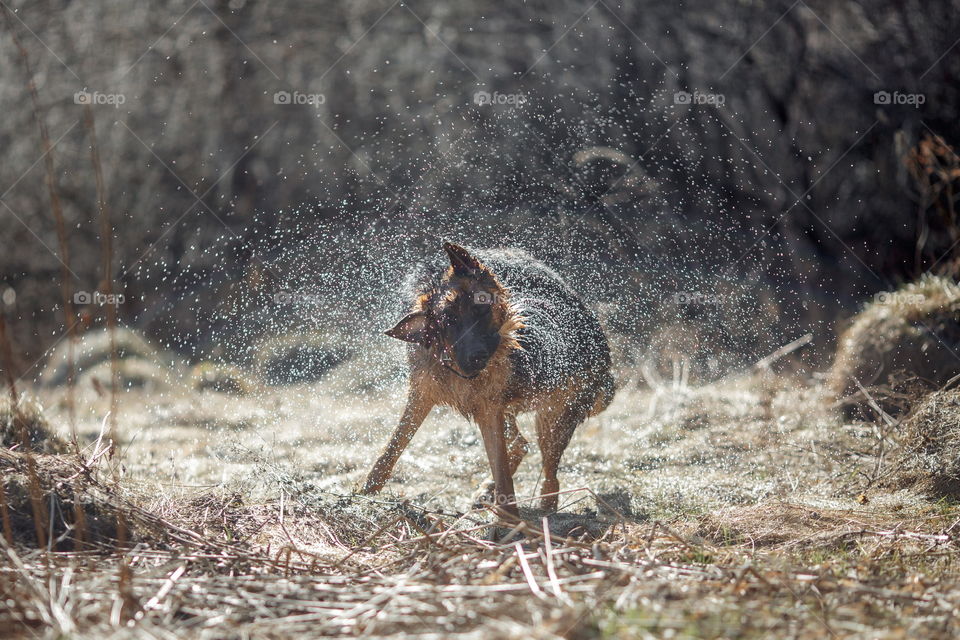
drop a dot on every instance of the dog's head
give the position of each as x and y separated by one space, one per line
466 319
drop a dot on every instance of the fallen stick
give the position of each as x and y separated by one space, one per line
783 351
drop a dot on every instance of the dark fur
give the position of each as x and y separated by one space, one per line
536 348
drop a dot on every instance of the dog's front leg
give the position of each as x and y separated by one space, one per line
413 416
492 428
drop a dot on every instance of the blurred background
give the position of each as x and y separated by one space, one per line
717 178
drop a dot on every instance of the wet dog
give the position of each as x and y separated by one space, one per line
494 333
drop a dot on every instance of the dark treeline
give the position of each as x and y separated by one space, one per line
801 134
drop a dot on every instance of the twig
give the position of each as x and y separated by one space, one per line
783 351
527 573
154 602
551 571
106 264
61 226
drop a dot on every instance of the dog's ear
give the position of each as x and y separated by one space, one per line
413 328
462 262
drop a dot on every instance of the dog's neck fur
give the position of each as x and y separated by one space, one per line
476 395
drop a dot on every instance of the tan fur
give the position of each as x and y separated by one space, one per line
435 379
481 394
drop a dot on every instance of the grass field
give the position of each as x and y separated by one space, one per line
745 508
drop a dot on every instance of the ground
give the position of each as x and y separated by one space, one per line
745 508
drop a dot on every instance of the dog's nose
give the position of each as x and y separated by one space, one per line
478 359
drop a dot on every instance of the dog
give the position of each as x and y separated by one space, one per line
494 333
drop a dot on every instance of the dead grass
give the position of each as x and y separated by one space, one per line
741 509
52 502
928 453
900 346
222 378
416 571
93 349
298 357
26 418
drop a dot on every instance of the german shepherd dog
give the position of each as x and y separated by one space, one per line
494 333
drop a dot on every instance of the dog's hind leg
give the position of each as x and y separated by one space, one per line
413 416
555 427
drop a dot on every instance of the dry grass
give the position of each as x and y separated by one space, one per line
902 345
741 509
928 453
91 354
53 502
25 418
223 378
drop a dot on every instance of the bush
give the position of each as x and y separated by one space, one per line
93 349
903 344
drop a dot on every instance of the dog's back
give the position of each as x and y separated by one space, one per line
562 340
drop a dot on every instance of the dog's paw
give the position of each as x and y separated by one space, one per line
484 494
